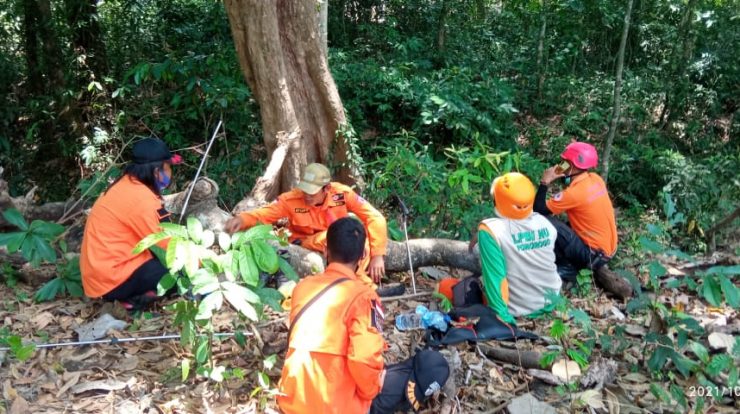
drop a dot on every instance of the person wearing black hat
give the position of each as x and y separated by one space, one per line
410 384
129 210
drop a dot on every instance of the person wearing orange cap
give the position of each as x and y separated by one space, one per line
312 207
129 210
516 250
334 363
590 240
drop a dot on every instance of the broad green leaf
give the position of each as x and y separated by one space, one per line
149 241
212 302
548 358
578 357
259 232
205 283
12 240
248 266
558 329
166 283
224 241
269 362
684 365
43 248
15 218
185 368
700 351
678 394
171 256
74 288
202 350
712 291
49 291
249 296
651 245
265 256
195 229
582 318
187 335
192 258
732 378
719 363
207 238
656 269
287 270
732 293
237 297
723 270
659 357
271 297
174 230
660 393
46 229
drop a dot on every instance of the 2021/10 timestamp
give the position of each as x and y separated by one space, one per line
715 391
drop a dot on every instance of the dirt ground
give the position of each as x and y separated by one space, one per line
144 377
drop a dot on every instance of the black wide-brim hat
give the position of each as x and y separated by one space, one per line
429 374
150 150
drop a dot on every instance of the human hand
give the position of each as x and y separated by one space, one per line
233 225
551 174
473 242
376 269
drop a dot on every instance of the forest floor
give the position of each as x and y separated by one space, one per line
144 377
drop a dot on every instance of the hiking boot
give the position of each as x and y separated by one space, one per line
393 289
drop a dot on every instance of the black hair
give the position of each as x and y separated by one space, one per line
144 173
345 240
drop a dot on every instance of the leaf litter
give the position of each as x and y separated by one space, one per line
144 377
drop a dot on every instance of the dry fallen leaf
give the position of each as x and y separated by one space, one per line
20 406
75 377
566 370
591 398
719 341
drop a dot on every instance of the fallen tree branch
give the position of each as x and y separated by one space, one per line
409 296
524 359
710 234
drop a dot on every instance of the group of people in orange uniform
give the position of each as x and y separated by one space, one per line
334 362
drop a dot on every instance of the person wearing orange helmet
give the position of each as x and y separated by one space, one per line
516 250
590 240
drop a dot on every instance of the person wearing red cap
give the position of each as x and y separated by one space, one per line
590 240
312 207
129 210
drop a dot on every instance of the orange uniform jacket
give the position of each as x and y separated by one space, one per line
125 214
334 358
309 223
590 211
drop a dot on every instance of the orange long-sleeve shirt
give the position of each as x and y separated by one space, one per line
590 212
309 223
119 219
334 358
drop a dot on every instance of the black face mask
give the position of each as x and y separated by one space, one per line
569 178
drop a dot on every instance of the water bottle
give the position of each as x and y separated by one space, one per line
408 321
435 319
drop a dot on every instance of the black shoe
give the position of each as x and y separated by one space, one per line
393 289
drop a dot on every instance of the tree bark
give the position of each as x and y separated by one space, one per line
677 84
541 50
30 31
524 359
52 52
324 26
280 54
617 93
442 26
82 17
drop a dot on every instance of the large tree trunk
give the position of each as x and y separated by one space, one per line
33 62
541 51
617 92
82 17
280 53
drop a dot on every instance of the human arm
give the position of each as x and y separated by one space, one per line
493 265
377 230
267 214
364 353
540 201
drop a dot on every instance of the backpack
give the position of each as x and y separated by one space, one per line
467 292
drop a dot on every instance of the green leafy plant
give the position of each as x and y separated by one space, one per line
212 270
560 311
15 344
34 241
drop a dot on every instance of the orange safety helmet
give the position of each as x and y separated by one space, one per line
513 195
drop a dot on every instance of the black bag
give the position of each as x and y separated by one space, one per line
489 326
467 292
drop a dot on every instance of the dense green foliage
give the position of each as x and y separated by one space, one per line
443 95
